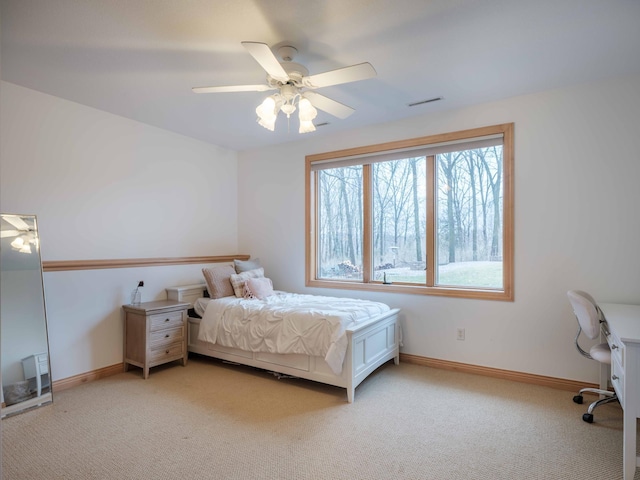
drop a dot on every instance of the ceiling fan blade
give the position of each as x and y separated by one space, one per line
332 107
267 60
354 73
9 233
233 88
16 221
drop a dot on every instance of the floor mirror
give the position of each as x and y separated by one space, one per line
24 352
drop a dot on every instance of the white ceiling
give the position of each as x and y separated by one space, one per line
140 58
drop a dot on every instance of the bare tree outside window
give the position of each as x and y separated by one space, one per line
399 220
469 219
340 214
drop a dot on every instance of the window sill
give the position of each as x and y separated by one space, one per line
474 293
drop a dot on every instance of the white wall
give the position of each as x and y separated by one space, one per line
105 187
577 167
84 312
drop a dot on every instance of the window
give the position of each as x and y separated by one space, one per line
431 215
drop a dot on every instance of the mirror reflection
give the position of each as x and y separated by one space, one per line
26 378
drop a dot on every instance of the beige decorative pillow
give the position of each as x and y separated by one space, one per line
237 280
219 280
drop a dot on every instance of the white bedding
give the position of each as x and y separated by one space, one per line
287 323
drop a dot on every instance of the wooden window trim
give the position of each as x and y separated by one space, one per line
504 294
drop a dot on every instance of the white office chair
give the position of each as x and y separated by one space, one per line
590 318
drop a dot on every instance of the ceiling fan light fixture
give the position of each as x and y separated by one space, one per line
307 111
306 126
269 124
306 114
267 113
288 108
267 108
23 243
18 243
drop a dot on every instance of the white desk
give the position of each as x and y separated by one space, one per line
624 340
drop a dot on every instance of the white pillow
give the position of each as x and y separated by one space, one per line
238 279
259 288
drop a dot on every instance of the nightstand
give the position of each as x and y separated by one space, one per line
37 366
155 333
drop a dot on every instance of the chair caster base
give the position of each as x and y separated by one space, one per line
587 417
578 399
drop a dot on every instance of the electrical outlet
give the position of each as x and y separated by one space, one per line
460 334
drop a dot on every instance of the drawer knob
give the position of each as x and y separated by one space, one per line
166 336
167 352
166 319
614 346
614 377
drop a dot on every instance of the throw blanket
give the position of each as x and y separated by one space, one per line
287 323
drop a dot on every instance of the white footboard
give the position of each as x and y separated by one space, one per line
370 345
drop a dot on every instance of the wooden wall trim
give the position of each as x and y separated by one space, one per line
553 382
69 382
63 265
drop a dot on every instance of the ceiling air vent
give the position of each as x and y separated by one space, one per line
422 102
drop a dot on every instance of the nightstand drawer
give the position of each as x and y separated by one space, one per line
162 352
165 320
166 336
44 367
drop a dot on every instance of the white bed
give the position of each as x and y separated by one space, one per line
370 343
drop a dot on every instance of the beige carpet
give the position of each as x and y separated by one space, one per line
210 420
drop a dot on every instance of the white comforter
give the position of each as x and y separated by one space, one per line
287 323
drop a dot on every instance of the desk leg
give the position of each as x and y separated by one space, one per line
629 448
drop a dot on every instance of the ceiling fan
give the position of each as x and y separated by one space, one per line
24 233
294 87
